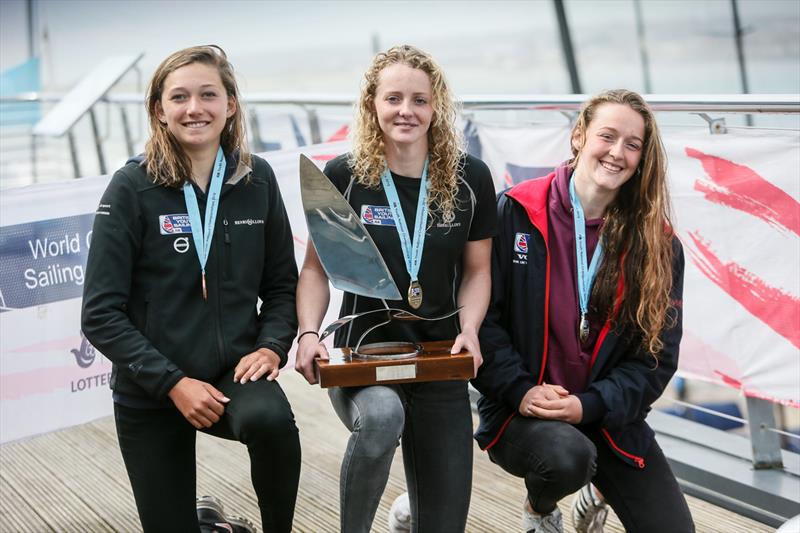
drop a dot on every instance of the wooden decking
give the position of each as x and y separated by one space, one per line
74 481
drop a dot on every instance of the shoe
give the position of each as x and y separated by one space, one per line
400 515
211 516
545 523
241 524
588 512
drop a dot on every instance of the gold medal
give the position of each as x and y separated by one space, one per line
415 295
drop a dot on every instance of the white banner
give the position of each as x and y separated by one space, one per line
735 199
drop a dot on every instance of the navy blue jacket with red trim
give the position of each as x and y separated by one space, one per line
624 380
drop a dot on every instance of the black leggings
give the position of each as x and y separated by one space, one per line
158 446
556 459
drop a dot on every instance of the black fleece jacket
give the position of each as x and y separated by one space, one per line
142 302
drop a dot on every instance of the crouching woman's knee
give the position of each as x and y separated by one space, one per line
375 415
267 420
572 461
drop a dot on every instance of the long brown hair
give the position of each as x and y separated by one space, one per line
444 139
166 161
637 232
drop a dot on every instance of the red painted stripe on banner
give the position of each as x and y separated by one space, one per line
52 380
340 135
773 306
743 189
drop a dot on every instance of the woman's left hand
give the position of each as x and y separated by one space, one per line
255 365
567 409
468 340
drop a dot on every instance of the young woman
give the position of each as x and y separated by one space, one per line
186 240
583 328
407 149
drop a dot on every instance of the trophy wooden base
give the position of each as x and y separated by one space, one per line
435 363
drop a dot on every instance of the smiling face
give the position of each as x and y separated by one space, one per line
610 149
195 106
403 105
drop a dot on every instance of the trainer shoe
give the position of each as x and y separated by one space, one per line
212 518
544 523
400 515
588 512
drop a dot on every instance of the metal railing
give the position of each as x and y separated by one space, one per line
700 105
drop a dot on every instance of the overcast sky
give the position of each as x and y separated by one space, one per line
484 46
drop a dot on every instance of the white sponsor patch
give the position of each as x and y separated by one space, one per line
173 224
377 215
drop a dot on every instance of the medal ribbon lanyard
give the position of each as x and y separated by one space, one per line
412 251
202 235
585 275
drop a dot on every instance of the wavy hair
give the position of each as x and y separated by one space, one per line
637 232
445 143
166 161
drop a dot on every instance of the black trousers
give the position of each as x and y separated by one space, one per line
556 459
158 447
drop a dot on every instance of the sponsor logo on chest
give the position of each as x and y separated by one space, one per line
249 222
376 215
174 224
521 248
448 221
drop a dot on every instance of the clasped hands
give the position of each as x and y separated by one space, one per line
551 402
202 404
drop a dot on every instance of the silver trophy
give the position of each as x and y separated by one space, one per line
353 264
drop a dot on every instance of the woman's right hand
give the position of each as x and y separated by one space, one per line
540 393
308 349
199 402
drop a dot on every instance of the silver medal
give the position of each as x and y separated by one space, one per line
583 331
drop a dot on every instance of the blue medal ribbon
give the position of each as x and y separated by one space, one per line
412 250
202 235
586 274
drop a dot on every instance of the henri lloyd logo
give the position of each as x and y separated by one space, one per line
248 221
172 224
521 248
377 215
85 356
448 221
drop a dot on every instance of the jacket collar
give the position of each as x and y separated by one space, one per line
532 195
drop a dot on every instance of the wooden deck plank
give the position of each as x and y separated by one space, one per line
74 480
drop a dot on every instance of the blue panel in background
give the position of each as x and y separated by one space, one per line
44 261
20 79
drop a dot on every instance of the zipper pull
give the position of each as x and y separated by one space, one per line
227 237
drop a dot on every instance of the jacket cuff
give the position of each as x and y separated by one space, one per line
594 409
171 379
277 348
517 391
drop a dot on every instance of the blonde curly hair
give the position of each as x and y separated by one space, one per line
444 139
167 162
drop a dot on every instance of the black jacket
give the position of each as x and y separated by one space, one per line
142 301
624 380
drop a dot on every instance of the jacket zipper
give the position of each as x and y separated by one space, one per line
639 461
500 432
227 252
546 303
218 317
